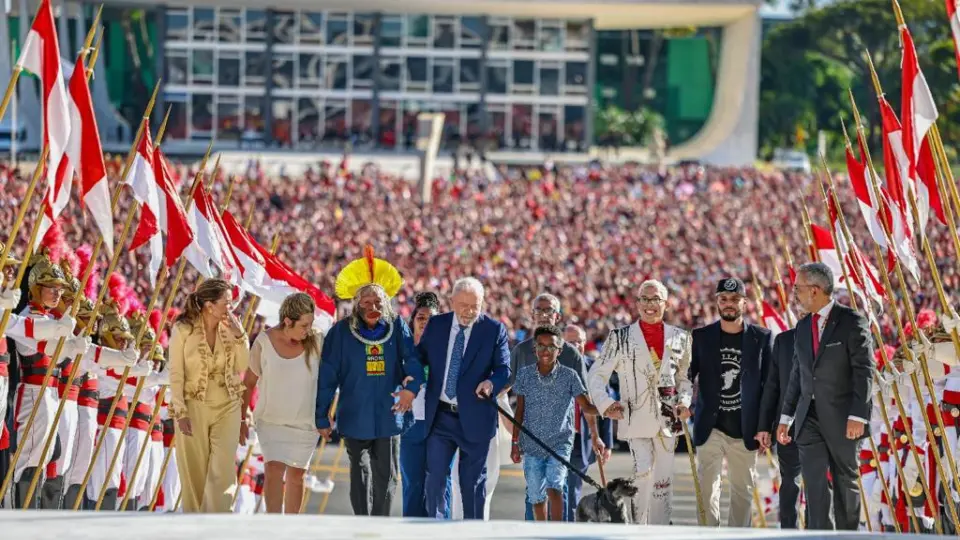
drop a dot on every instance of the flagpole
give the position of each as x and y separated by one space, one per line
250 317
243 467
146 442
197 184
163 472
144 124
879 338
16 132
931 437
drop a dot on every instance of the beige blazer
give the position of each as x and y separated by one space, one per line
193 365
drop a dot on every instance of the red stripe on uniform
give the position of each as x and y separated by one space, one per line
28 328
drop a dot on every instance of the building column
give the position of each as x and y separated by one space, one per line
588 116
484 83
63 34
160 22
268 85
377 81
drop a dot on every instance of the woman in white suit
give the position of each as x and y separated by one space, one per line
499 453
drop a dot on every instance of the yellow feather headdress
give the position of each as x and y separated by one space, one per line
366 271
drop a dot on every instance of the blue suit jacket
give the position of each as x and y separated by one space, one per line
705 366
487 357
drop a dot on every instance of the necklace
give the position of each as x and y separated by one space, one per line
365 341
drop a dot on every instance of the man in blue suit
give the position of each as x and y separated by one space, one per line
469 360
583 454
730 360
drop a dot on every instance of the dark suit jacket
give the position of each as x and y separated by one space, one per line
839 377
487 357
705 367
775 389
604 426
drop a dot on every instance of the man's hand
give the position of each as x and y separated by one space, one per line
485 390
854 429
683 412
763 438
782 436
515 452
326 433
614 412
600 449
405 402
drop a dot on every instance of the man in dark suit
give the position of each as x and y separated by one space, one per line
469 360
730 359
583 454
770 406
828 400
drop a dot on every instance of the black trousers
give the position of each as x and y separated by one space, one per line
373 474
789 456
822 451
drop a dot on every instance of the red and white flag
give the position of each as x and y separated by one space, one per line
954 15
41 56
773 321
827 253
211 241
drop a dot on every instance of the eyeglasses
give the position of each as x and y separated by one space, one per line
548 311
547 348
652 300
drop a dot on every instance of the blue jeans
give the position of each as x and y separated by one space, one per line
542 474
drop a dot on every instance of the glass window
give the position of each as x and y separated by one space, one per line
229 25
523 72
256 25
497 77
391 31
335 121
203 24
573 119
228 118
442 77
417 69
228 69
311 70
202 66
390 74
308 121
337 32
311 28
284 27
444 33
471 32
388 123
363 28
178 26
547 125
360 116
418 29
470 74
253 111
524 33
474 121
283 70
550 39
576 74
177 126
499 34
362 71
282 112
335 73
549 81
255 68
177 69
522 126
578 36
201 117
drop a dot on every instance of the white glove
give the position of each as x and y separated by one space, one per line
9 298
950 323
76 346
141 368
114 359
51 329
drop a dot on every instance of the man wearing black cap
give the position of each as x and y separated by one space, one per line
730 359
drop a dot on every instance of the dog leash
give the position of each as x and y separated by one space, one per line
549 450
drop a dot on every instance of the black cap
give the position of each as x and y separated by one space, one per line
731 285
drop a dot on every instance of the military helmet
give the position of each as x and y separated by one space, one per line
138 323
158 356
11 260
113 324
86 309
45 273
72 289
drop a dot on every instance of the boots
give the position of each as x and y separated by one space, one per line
22 486
70 498
132 504
51 494
109 500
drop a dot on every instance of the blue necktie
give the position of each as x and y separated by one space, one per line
451 389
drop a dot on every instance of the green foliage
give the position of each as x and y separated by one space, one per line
809 63
617 127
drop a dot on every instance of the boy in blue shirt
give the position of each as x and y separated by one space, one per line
545 396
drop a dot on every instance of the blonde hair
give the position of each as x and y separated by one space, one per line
294 307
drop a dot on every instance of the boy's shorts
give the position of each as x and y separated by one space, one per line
542 474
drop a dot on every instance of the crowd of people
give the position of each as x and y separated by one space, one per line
590 234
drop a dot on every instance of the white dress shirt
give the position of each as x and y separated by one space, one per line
454 330
824 314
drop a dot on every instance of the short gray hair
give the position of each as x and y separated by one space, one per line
554 301
656 284
820 274
471 284
575 328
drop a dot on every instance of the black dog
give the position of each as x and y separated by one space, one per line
611 504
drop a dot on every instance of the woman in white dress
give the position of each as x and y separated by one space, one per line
284 362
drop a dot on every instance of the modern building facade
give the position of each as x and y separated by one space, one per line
526 77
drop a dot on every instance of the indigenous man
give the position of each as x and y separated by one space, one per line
651 359
368 355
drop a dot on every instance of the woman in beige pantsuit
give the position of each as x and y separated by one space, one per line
209 353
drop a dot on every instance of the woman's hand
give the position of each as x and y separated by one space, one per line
234 324
185 426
